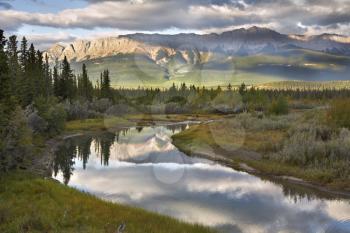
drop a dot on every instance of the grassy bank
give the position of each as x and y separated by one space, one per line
101 124
32 204
290 145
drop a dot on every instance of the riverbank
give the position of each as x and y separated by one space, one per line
253 145
30 203
112 123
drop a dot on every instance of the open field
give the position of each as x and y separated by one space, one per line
32 204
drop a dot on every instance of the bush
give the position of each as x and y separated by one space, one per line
318 147
120 109
266 123
56 118
339 113
51 112
80 110
279 106
37 123
256 101
227 102
101 105
16 141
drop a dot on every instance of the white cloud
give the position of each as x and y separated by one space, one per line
286 16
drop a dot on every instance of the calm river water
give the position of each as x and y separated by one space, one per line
141 167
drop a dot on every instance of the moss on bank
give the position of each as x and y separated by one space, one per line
29 203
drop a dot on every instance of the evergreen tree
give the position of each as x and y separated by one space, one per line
39 77
48 77
22 79
5 79
242 89
6 107
105 85
29 76
67 85
56 82
24 53
14 67
86 85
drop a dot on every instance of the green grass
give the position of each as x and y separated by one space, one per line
32 204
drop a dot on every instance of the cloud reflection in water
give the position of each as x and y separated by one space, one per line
205 193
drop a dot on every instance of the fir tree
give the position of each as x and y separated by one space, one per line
56 82
5 80
14 67
86 85
105 85
48 77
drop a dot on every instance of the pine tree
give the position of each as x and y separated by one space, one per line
105 85
56 82
67 83
29 75
86 85
14 67
39 78
47 77
22 79
5 80
24 53
6 107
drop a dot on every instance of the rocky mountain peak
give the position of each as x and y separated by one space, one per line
249 41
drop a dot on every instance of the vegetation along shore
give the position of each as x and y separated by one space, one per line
299 132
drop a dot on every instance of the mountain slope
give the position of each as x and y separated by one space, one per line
252 55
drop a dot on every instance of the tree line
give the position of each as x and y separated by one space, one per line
31 96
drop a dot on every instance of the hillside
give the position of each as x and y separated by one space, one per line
254 55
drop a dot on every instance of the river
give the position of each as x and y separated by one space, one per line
141 167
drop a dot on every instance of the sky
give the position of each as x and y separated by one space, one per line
61 21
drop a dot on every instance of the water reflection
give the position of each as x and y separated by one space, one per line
141 167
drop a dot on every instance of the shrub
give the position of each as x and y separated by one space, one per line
339 113
53 113
16 141
120 109
101 105
56 118
256 101
319 147
279 106
37 123
227 102
266 123
79 110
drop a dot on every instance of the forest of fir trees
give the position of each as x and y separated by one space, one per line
33 96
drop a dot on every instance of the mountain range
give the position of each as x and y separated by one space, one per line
253 55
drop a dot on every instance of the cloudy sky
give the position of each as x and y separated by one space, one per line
51 21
